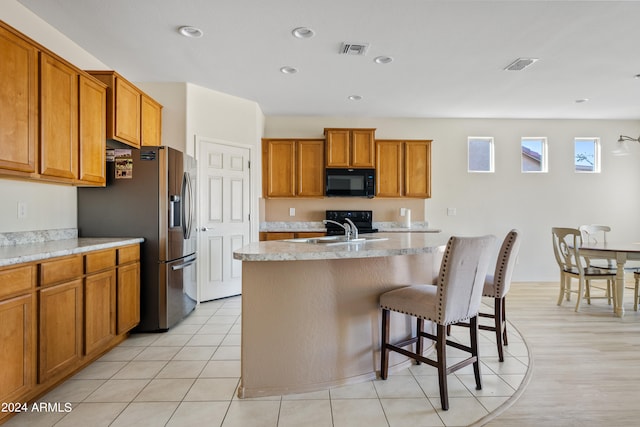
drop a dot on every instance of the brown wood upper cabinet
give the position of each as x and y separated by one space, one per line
403 168
293 167
40 91
151 122
58 118
93 113
18 102
350 148
133 118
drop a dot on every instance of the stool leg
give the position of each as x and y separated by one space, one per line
441 351
498 326
473 335
419 330
504 321
384 351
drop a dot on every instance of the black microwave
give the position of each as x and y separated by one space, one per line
350 182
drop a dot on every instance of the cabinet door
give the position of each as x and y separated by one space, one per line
362 148
338 148
128 297
17 336
18 103
99 311
418 169
151 122
278 158
310 167
60 335
127 112
389 168
58 118
93 113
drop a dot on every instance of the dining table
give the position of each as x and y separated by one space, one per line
620 252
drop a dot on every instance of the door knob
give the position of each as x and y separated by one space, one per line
206 229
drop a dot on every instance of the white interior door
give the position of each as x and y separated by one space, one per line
224 182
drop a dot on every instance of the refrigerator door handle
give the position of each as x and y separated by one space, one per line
183 265
187 211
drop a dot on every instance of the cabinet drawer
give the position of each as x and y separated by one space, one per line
128 254
60 270
99 260
17 279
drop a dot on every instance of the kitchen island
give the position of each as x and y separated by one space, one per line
310 314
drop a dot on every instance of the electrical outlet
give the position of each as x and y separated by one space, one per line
22 210
403 211
292 211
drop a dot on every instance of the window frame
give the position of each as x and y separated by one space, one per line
544 155
597 154
491 142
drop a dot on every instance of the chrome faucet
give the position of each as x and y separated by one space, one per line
345 226
354 229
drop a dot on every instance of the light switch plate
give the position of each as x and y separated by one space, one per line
451 212
292 211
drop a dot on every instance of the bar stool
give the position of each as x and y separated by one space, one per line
455 298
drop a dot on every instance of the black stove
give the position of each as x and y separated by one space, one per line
362 219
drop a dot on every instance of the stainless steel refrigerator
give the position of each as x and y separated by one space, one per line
150 193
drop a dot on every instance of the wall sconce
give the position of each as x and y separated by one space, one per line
622 149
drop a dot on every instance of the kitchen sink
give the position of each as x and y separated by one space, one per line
335 240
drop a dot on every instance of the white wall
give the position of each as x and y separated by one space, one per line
495 203
173 97
223 118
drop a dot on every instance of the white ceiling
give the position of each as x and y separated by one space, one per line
449 55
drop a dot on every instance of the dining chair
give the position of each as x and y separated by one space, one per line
595 233
496 286
636 277
455 298
566 248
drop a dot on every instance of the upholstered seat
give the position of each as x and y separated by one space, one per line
455 298
497 286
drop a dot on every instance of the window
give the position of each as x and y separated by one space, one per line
534 154
587 155
480 154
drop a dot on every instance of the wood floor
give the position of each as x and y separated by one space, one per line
586 365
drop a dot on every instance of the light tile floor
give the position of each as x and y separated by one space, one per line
189 376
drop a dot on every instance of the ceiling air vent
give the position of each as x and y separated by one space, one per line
520 64
354 48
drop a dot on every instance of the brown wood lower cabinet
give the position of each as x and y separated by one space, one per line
60 314
128 297
99 310
17 358
280 235
60 329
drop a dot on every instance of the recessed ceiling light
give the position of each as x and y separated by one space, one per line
191 32
303 33
288 70
383 59
583 100
354 97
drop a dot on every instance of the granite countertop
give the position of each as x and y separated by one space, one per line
394 244
28 252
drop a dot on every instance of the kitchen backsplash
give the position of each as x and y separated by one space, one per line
309 210
40 236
